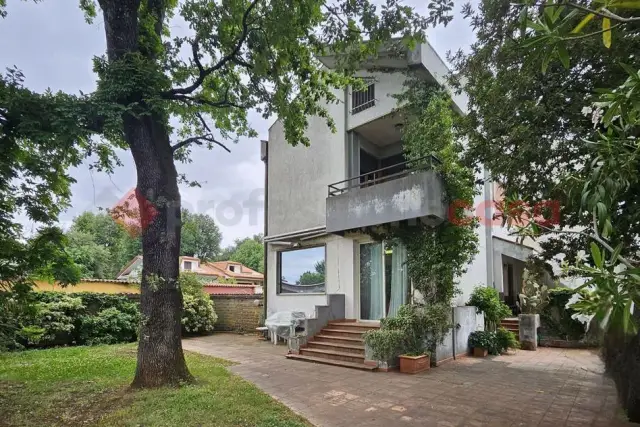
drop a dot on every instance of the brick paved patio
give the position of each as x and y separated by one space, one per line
550 387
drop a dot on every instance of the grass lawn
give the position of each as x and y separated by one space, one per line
90 386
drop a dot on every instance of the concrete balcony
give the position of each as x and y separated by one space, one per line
379 197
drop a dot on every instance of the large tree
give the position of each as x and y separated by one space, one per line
248 251
200 236
528 127
100 245
238 55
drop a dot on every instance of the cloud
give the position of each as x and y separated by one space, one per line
51 43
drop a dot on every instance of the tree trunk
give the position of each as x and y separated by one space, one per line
160 356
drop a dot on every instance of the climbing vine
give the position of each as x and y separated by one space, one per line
436 256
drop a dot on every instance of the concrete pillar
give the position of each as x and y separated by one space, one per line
528 328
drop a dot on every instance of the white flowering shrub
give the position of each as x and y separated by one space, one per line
198 314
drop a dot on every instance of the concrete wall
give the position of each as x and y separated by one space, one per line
237 313
299 176
386 84
413 196
477 270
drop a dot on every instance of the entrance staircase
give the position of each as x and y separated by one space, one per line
511 324
340 343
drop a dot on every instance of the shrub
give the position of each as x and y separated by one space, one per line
494 342
505 340
110 326
487 300
198 315
415 330
60 321
557 319
483 339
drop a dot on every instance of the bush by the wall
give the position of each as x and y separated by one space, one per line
487 300
556 318
198 314
494 342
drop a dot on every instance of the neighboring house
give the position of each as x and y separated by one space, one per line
221 277
321 200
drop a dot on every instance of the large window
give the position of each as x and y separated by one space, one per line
302 271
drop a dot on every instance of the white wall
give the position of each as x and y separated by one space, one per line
339 278
299 176
386 84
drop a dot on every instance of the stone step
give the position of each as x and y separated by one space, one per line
324 361
335 332
333 355
339 340
345 348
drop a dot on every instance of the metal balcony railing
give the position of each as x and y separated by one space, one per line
382 175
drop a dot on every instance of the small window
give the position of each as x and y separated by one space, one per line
301 271
363 99
187 265
232 268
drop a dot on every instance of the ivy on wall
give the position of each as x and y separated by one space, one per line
438 255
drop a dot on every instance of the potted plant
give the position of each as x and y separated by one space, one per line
482 343
505 340
411 335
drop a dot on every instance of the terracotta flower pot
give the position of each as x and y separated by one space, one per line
414 364
480 352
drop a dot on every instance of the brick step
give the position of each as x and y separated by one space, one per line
334 355
324 361
345 348
341 332
339 340
352 326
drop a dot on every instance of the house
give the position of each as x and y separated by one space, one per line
220 277
322 199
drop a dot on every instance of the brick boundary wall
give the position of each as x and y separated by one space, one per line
236 313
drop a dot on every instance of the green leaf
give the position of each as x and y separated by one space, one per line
616 252
582 23
596 255
606 36
627 5
563 54
626 315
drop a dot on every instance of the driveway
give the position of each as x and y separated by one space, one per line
548 387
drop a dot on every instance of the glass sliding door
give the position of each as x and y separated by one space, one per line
399 286
384 283
371 282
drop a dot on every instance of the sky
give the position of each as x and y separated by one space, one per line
53 46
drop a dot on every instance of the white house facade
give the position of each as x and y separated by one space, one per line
322 199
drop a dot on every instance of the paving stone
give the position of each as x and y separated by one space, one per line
548 387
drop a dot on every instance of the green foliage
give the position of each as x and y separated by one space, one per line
505 340
249 252
109 326
436 256
100 246
200 236
415 330
487 300
198 315
533 297
494 342
313 277
557 319
482 339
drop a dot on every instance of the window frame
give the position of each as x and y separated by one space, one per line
184 265
279 269
364 94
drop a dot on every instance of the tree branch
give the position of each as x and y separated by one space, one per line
198 140
205 72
